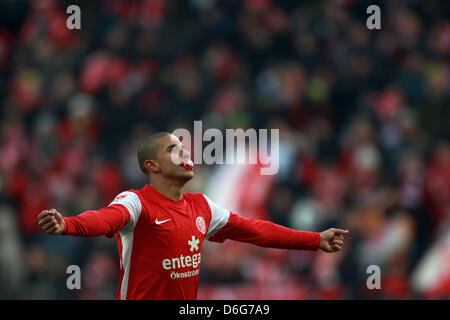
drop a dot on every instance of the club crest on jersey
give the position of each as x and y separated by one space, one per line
201 225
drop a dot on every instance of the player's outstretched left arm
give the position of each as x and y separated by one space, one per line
332 240
267 234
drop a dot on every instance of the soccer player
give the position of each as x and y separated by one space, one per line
160 230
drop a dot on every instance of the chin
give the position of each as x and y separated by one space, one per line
190 175
187 176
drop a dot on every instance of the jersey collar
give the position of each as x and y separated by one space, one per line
162 198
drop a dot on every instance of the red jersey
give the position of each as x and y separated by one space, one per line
160 239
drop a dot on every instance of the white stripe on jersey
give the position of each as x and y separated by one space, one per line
127 245
132 202
219 217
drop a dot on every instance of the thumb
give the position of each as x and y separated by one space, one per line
56 214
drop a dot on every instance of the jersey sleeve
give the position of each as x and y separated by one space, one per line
219 217
132 203
121 214
266 234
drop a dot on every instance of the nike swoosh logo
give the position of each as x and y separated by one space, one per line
159 222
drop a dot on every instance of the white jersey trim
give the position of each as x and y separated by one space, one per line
127 246
132 202
219 217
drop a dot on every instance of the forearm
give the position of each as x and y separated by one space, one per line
93 223
266 234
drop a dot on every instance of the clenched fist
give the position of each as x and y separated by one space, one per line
51 221
331 240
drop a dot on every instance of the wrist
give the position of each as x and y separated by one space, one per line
320 239
64 230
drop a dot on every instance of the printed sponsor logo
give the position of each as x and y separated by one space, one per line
176 275
182 261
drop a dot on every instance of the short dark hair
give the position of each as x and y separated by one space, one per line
147 149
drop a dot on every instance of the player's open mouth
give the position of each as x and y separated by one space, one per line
187 164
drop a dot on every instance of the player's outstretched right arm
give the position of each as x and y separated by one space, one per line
124 209
91 223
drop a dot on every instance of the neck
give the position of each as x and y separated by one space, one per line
170 190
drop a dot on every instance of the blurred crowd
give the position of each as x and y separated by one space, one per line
364 136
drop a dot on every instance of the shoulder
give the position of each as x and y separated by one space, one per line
130 199
192 196
126 195
203 200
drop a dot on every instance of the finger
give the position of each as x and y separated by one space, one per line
49 225
43 214
58 217
56 214
336 247
340 231
45 220
337 242
53 230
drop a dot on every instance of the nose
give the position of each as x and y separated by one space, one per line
185 154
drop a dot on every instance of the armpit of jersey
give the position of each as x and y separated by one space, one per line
132 202
219 217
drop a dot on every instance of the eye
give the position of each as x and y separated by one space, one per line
174 148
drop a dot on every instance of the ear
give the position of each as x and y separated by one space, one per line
151 166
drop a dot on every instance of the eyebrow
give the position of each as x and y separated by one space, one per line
173 145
